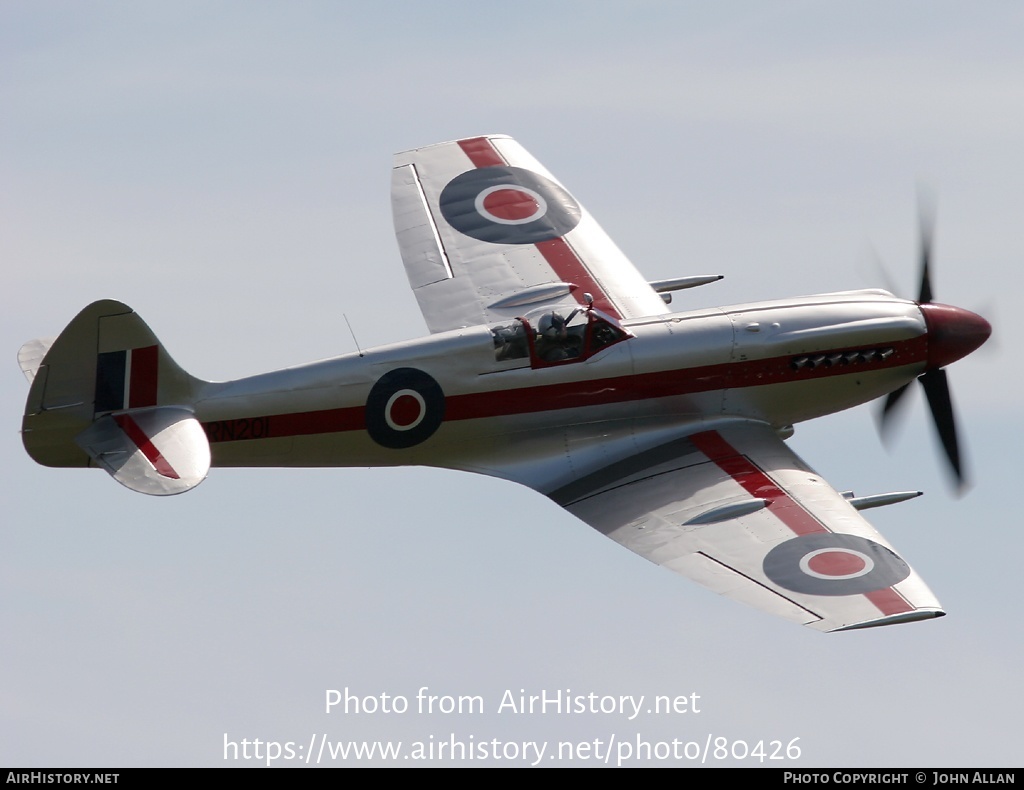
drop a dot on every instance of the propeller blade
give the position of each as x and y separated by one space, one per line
889 410
878 271
927 242
892 399
936 388
934 381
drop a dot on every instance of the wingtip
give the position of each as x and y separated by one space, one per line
402 157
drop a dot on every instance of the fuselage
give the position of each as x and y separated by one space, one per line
446 400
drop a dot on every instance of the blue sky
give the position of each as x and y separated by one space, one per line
224 169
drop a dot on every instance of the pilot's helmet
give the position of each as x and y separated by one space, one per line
551 325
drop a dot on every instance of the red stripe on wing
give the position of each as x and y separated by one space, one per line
790 512
889 601
563 260
570 269
480 152
756 483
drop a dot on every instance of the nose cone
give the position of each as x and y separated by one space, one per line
953 333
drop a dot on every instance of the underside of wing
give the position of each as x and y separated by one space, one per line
733 508
487 234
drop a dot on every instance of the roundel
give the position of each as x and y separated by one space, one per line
827 563
404 408
508 205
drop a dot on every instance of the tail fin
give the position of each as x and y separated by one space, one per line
107 394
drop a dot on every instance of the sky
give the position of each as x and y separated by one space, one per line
223 168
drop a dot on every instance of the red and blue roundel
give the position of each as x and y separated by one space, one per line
828 563
508 205
404 408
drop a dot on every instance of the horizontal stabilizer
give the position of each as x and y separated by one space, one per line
159 451
30 356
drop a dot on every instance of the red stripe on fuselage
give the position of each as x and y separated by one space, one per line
790 512
574 394
329 421
276 426
563 260
143 442
663 384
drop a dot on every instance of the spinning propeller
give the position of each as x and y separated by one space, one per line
952 333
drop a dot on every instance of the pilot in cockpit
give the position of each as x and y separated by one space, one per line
556 339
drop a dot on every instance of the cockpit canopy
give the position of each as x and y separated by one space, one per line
552 337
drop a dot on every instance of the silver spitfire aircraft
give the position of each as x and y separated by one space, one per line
552 363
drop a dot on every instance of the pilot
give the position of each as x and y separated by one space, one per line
554 341
510 342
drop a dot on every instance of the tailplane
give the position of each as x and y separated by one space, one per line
105 393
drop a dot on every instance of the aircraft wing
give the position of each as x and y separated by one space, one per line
732 507
487 233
